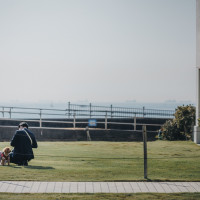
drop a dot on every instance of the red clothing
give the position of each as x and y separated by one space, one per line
3 155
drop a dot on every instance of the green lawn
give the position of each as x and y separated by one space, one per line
108 161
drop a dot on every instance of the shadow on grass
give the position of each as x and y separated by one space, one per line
39 167
34 167
89 157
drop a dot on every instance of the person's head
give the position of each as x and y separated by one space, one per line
23 125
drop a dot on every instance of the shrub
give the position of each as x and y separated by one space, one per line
180 128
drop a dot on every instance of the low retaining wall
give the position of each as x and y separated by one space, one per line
55 134
152 123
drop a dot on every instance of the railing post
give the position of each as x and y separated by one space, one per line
144 130
135 123
3 111
10 112
68 109
106 121
74 122
40 118
90 110
111 110
143 111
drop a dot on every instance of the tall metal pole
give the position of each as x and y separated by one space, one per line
197 127
198 96
197 60
145 150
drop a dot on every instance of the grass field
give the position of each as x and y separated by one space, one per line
108 161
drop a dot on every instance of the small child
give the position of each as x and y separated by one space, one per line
5 157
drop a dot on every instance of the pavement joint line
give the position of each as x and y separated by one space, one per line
162 187
116 187
100 187
185 186
132 187
39 186
123 187
155 187
61 189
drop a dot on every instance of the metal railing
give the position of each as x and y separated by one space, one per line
75 112
116 112
84 111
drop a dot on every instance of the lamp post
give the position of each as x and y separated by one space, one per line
197 127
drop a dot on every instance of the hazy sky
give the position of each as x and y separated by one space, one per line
97 50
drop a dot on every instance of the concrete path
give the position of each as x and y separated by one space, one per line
97 187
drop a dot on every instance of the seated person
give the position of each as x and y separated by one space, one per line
23 141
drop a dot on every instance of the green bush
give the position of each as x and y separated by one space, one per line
199 122
180 128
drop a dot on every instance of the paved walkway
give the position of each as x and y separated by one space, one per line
97 187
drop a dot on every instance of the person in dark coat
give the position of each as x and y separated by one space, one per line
23 141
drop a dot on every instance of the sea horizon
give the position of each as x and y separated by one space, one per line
165 105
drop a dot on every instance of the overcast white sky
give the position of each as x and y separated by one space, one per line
97 50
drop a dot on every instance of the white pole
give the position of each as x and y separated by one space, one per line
198 96
197 128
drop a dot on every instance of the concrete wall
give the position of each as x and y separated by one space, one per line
63 132
48 134
100 123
